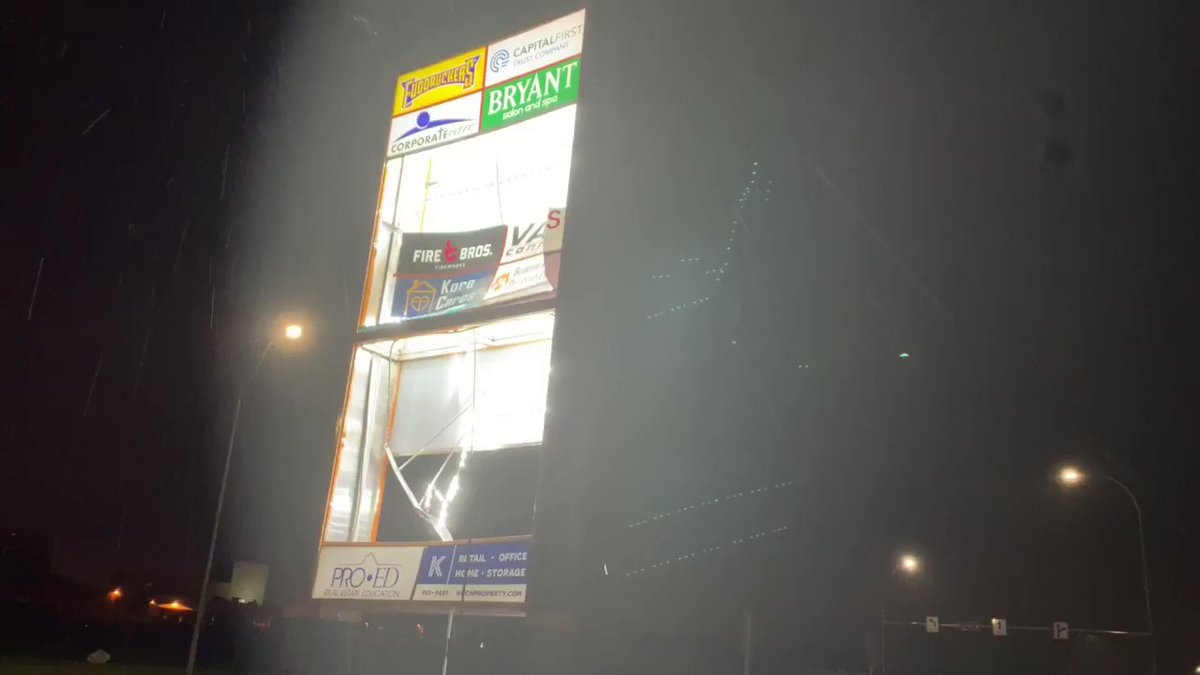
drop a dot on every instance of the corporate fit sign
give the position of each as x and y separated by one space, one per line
442 123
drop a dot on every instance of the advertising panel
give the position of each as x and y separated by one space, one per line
553 249
442 81
516 177
449 121
535 48
470 571
367 572
523 266
445 271
471 214
534 94
441 272
492 572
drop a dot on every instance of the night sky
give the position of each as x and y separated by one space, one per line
1004 192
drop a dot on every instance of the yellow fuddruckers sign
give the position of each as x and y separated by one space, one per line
442 81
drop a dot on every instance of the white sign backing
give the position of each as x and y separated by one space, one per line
367 572
434 126
520 54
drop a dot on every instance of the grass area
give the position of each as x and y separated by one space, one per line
38 667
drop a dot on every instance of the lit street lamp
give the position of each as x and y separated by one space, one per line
909 564
291 332
1070 476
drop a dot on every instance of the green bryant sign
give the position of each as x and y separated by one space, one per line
525 97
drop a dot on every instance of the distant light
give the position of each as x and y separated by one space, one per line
115 594
1070 476
1197 670
910 564
293 331
905 355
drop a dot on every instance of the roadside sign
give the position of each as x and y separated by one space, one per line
1061 631
932 625
999 627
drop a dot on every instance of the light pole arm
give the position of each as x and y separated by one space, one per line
202 605
1142 544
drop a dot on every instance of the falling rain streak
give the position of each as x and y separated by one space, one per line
87 404
684 557
158 165
711 502
225 169
96 121
37 280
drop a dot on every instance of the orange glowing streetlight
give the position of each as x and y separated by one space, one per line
174 605
1069 475
909 564
115 594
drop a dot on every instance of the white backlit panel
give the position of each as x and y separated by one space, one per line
515 177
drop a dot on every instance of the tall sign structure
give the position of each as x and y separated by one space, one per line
446 399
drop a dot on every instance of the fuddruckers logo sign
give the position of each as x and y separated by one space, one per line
536 93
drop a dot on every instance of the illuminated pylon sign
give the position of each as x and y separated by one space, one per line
446 398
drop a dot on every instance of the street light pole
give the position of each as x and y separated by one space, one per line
910 565
216 526
883 641
1145 567
1141 543
1070 476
